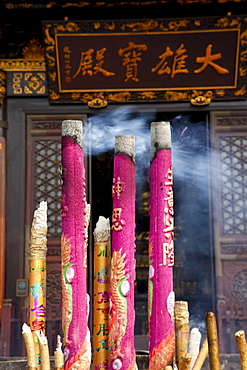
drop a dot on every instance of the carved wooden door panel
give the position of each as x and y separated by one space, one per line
229 133
43 164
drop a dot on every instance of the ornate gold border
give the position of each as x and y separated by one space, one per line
97 4
22 65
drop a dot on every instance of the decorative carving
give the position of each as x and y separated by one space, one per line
97 103
101 4
231 121
31 83
47 181
53 95
233 184
2 86
239 285
199 96
120 97
233 249
200 100
47 125
34 50
54 251
141 26
22 64
53 288
69 27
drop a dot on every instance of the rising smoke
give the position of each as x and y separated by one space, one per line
191 169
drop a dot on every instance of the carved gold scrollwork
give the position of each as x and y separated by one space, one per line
22 64
2 86
70 27
147 95
241 91
200 100
141 26
34 50
119 97
54 95
97 103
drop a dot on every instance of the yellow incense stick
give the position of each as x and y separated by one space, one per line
29 345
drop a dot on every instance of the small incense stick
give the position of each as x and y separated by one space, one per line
44 351
102 268
201 356
182 329
37 275
242 348
213 346
29 345
185 361
58 355
194 345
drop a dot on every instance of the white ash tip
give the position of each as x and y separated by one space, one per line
59 344
102 230
25 328
103 223
42 338
125 144
160 137
195 330
73 128
40 216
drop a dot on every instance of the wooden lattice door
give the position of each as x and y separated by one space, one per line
229 135
43 167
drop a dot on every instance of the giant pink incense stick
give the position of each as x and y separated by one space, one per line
121 331
161 249
76 340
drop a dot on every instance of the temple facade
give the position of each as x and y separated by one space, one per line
118 66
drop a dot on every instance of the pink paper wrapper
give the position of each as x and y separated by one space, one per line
74 290
161 260
121 334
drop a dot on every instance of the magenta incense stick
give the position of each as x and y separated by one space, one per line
121 329
161 249
76 340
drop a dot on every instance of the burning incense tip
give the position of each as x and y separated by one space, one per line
25 328
58 355
40 216
102 230
125 144
59 343
160 137
72 128
194 345
42 338
29 345
242 348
